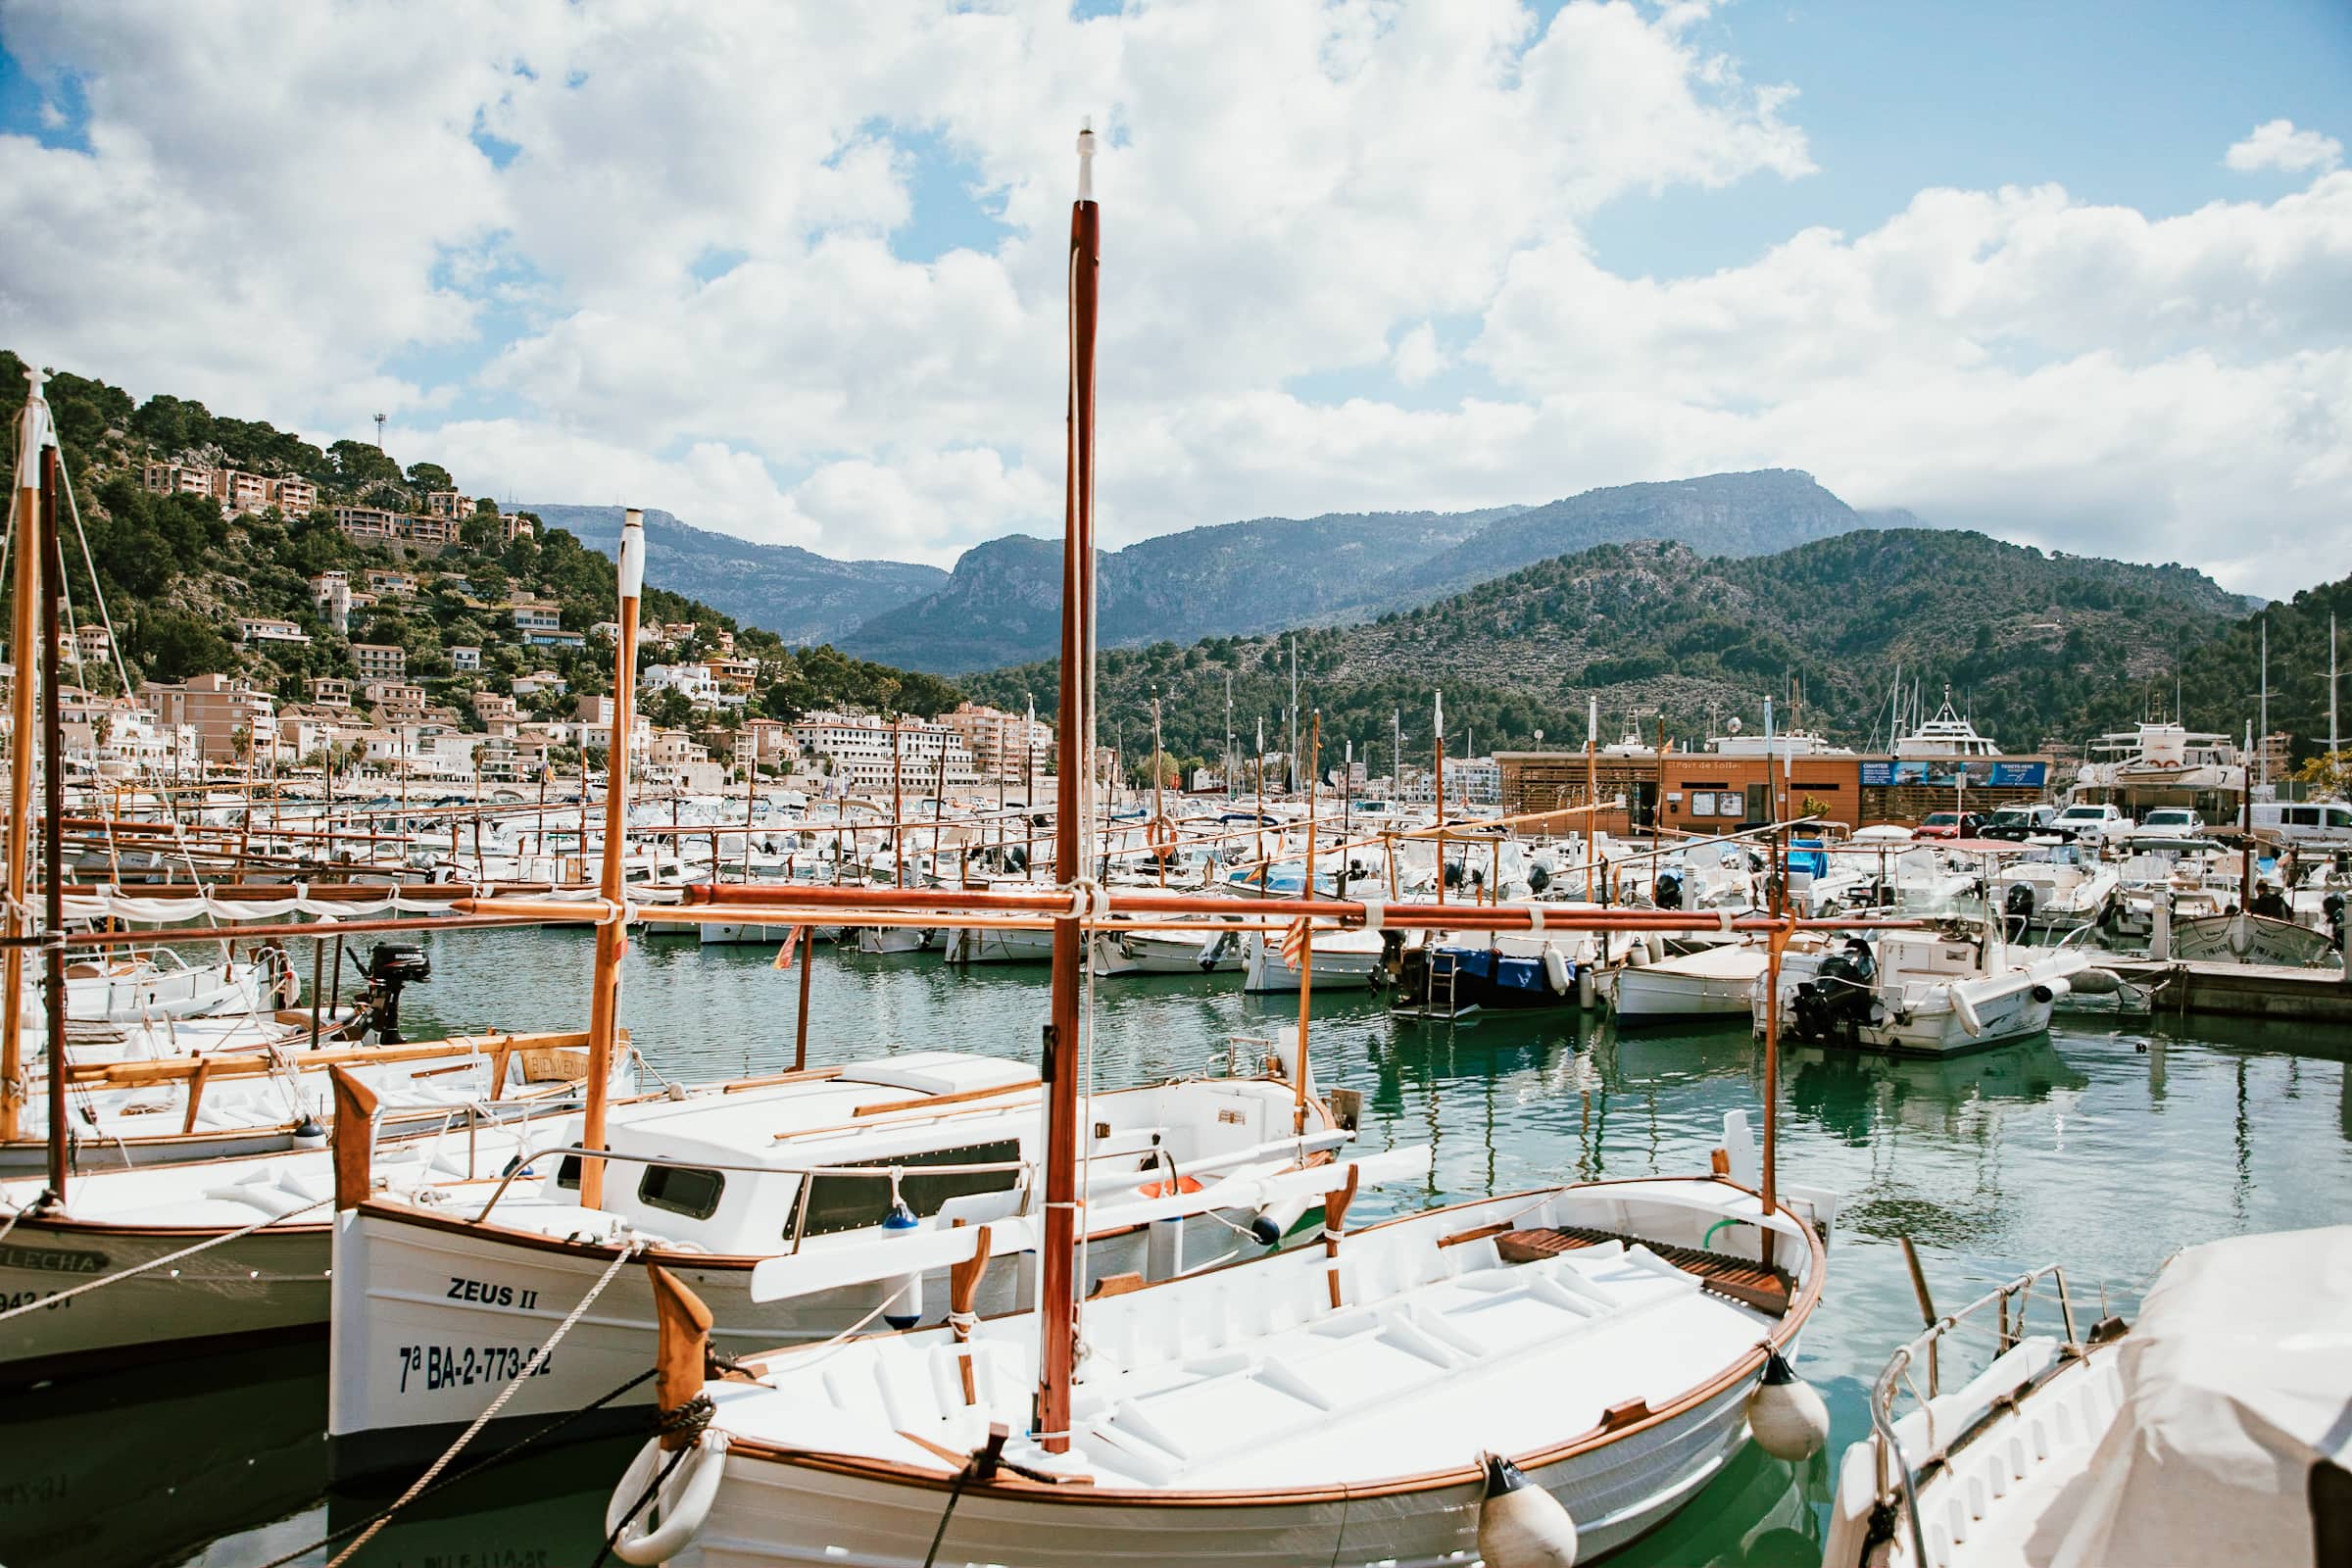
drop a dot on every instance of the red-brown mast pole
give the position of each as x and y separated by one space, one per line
53 791
604 995
1058 1293
32 436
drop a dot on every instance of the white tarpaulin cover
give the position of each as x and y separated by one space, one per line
2238 1381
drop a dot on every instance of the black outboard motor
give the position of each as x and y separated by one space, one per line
1836 1000
1667 891
2333 906
392 967
2018 905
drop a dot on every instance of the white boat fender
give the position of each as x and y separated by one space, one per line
1588 989
1557 973
683 1503
1785 1414
904 1306
2097 982
1520 1525
307 1134
1965 1009
1270 1224
2051 990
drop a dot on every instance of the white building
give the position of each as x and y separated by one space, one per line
853 752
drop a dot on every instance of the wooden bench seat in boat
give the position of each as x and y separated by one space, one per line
1749 1283
1262 1382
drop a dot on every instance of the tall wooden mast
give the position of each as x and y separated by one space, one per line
604 1000
1058 1286
32 438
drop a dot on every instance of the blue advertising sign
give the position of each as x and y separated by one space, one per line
1944 773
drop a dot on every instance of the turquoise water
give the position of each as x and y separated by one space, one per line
2103 1148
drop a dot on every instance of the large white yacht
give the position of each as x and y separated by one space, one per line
2162 763
1947 734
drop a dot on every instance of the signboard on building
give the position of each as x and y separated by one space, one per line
1982 772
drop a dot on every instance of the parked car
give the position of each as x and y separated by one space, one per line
2018 823
2173 821
2093 822
1951 825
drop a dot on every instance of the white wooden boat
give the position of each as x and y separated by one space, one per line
736 933
2210 1432
889 941
1340 958
1608 1339
259 1287
1207 950
2243 937
998 945
716 1182
1713 982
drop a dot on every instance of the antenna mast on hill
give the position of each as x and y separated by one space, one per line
379 430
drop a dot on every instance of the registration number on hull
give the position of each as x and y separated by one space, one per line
434 1367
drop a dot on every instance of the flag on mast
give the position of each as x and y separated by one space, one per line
792 935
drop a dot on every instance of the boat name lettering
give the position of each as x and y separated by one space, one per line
448 1366
489 1294
52 1260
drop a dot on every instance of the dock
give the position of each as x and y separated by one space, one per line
2242 990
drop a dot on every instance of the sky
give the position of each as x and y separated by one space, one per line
2075 274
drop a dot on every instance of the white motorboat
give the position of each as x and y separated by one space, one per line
807 1165
2053 888
1718 981
1207 949
2209 1433
1923 992
892 941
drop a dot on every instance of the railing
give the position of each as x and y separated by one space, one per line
1897 1480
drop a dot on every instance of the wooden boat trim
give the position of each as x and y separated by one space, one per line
256 1059
1012 1486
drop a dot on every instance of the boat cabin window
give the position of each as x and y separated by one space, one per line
852 1203
681 1189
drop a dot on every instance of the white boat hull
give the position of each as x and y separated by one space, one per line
1345 963
1652 992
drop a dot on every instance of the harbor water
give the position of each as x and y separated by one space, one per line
2105 1146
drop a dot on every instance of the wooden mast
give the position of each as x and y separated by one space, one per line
1057 1290
1306 932
53 814
1438 744
1159 813
604 996
32 436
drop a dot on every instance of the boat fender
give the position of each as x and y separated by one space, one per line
1588 989
683 1505
1555 971
2051 990
1520 1525
307 1134
906 1293
1269 1225
1965 1009
2095 982
1785 1414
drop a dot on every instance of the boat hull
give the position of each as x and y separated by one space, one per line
770 1513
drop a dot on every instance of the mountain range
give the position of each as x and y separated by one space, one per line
801 596
1000 605
2035 646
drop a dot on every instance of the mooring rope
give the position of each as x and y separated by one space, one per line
63 1296
628 1251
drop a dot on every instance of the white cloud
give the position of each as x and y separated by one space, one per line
2278 145
670 253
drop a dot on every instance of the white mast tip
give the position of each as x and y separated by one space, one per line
1086 158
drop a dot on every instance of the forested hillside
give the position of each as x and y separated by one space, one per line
175 574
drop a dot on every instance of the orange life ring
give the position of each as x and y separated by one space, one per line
1184 1184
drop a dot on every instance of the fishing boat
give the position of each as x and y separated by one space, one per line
1341 958
1498 1378
1450 977
2209 1432
2239 936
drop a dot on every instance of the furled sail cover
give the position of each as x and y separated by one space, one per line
2236 1418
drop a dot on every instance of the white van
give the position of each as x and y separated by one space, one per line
2305 821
